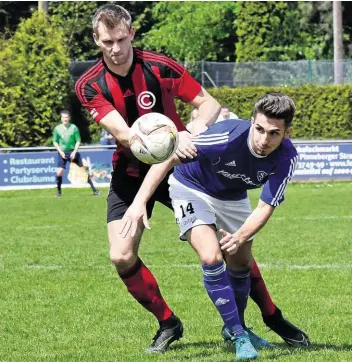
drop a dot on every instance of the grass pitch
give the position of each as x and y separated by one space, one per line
60 299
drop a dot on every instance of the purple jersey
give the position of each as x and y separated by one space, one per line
226 165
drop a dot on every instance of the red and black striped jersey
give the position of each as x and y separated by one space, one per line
151 85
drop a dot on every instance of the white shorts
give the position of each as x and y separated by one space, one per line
192 208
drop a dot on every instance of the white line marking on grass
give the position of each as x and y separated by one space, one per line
306 267
313 218
306 218
265 266
339 267
38 227
44 267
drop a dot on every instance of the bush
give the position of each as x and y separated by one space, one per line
322 112
35 82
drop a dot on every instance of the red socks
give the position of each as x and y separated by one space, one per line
142 285
259 293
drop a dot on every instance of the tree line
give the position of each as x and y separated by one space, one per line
35 50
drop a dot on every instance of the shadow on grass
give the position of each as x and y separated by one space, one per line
284 350
208 348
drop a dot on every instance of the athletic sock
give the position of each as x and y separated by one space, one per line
142 285
91 184
172 321
259 292
219 289
58 183
241 284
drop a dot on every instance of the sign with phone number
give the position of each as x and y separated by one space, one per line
30 170
323 161
317 161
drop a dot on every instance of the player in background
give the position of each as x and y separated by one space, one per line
225 113
210 201
66 139
125 84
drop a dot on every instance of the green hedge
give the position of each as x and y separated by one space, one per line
34 82
322 112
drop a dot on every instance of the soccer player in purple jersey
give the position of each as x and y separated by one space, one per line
209 197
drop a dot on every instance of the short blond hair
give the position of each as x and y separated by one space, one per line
111 15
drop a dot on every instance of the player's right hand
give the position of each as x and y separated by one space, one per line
186 148
62 154
229 242
132 218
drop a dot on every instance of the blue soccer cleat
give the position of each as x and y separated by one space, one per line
257 342
244 348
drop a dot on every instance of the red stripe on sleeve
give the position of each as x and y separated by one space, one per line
178 68
84 79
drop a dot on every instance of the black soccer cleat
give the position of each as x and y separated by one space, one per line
58 194
166 334
96 193
292 335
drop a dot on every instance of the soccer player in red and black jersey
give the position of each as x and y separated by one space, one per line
125 84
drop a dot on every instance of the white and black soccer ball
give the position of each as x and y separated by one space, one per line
154 138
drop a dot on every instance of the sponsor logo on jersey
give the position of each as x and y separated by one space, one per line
232 163
242 176
261 175
128 93
146 100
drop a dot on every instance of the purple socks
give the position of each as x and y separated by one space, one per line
217 284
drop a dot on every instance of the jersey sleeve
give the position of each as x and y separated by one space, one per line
56 136
184 86
77 135
210 144
274 188
93 100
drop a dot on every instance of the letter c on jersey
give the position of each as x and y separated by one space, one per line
146 100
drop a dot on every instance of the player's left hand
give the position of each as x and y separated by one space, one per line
72 155
229 242
134 214
186 148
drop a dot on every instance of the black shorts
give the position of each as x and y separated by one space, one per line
61 162
124 188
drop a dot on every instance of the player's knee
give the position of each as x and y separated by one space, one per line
211 258
123 260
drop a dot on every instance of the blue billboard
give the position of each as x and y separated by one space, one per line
323 161
317 161
25 170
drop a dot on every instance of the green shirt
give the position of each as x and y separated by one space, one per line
66 137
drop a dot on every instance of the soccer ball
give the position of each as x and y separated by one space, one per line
154 138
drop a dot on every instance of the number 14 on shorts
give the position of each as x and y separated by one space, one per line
183 211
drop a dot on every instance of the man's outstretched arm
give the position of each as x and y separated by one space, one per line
138 209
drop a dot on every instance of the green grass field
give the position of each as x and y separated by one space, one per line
60 299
